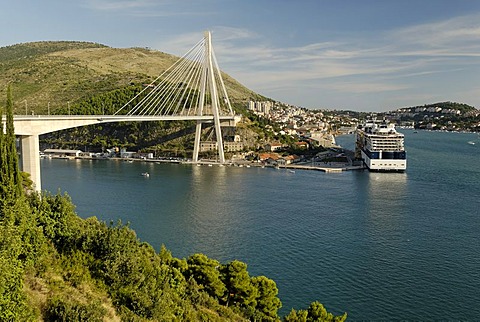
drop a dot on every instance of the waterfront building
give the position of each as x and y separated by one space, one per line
62 153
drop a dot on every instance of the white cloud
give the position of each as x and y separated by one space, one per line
224 33
365 87
109 5
443 31
146 8
459 36
367 64
389 62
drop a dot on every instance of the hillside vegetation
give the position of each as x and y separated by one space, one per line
87 78
58 74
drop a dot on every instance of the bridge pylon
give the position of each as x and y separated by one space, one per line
210 71
192 86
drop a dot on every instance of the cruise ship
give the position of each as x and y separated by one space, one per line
380 146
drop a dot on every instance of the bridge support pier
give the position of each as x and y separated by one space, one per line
31 158
196 145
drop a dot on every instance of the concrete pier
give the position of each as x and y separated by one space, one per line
31 158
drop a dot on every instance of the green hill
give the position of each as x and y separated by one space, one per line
90 78
59 73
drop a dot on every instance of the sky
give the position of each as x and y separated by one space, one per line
362 55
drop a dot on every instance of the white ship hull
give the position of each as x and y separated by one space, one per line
384 164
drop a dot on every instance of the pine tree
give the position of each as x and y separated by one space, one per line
12 147
10 178
3 159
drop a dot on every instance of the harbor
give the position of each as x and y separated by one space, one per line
314 164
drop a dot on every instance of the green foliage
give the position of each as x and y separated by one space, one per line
89 78
56 216
27 183
54 73
315 312
296 316
75 267
450 105
206 272
240 291
21 247
139 284
268 302
67 308
33 49
104 103
12 298
10 179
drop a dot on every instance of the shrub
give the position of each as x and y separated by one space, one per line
65 308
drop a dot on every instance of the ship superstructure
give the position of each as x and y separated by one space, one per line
380 146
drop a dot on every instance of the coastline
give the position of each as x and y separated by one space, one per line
330 167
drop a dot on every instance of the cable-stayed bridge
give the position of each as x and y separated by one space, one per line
192 89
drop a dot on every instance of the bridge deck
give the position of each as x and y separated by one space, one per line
41 124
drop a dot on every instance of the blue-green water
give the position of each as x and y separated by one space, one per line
380 246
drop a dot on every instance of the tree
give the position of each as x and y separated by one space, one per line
241 292
296 316
10 180
3 160
14 243
206 273
268 302
316 312
12 298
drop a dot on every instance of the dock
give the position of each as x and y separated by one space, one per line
329 169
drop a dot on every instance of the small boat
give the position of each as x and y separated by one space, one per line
471 142
291 171
146 174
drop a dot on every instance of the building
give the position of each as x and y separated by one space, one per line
273 147
126 154
289 159
61 153
206 146
262 108
301 145
324 139
233 146
228 146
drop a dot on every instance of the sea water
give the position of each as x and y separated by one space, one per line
379 246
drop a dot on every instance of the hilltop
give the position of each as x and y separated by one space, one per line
450 116
57 73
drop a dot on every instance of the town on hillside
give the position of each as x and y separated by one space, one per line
297 137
